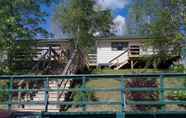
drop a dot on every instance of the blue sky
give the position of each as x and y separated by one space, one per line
47 24
118 7
122 12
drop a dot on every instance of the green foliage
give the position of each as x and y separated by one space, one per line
80 19
84 96
177 95
124 71
160 20
88 96
3 94
20 20
178 68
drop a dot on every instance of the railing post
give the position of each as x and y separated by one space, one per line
19 96
162 91
122 99
28 93
10 94
40 115
83 91
46 94
58 82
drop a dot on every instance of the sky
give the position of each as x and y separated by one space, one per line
119 11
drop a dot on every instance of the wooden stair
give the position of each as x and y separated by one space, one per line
53 96
40 96
120 60
121 65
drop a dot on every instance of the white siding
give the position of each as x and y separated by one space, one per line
105 52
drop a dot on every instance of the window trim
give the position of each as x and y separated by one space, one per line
123 46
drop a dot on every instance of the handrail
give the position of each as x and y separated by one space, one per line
132 75
161 89
70 62
118 56
67 71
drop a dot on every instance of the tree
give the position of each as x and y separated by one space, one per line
139 14
81 20
164 22
20 20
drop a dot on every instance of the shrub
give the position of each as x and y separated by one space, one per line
177 95
3 94
143 95
177 68
84 96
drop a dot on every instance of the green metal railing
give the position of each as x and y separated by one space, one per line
124 103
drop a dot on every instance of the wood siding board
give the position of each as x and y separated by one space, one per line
105 52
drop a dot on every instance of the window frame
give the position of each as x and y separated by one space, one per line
119 45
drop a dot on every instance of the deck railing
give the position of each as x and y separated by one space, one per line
92 59
166 83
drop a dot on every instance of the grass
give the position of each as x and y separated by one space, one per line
111 96
103 83
115 95
126 71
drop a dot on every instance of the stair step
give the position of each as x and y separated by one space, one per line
40 109
52 97
34 107
121 65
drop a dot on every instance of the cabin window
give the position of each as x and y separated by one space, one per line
117 46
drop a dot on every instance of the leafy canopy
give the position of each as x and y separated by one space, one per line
162 20
81 19
20 20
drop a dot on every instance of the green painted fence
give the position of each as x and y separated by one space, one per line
162 90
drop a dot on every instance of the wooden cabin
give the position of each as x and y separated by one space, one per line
114 52
118 51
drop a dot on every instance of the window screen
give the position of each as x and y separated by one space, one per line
117 46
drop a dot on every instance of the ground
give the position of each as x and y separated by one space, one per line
115 96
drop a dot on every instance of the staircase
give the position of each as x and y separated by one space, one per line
40 97
120 60
53 96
